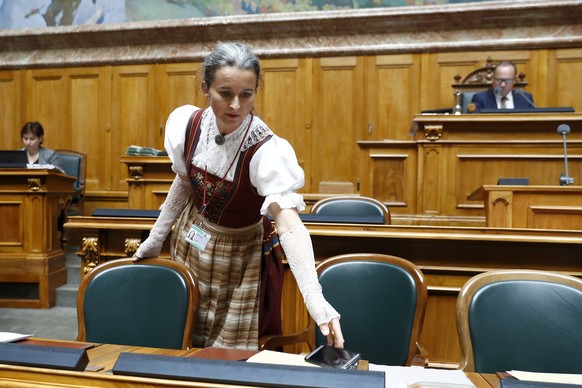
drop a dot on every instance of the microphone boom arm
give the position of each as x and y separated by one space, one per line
565 180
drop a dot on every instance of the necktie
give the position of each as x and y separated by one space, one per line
503 102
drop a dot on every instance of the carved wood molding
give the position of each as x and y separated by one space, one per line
433 132
34 184
449 27
131 246
136 172
90 254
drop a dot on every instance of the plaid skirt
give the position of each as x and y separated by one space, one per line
228 273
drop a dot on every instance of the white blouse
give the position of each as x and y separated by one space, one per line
274 170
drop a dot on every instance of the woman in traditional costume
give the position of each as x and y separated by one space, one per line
232 174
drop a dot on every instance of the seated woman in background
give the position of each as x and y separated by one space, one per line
32 135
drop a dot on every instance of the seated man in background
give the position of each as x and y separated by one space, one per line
501 94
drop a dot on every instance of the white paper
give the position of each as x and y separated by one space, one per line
280 358
563 378
11 337
41 166
406 376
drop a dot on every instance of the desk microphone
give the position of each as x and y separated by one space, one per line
565 180
520 92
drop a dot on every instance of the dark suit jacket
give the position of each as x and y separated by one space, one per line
486 100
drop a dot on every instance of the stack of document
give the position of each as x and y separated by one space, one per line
134 150
12 337
519 379
418 377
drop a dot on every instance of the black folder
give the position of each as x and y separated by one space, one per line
243 373
53 357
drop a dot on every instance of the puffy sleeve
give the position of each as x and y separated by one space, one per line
275 172
175 137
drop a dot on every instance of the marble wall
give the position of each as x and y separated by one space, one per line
454 27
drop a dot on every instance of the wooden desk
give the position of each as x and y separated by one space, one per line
541 207
426 180
448 257
32 263
102 357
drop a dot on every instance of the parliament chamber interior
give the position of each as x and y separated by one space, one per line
374 103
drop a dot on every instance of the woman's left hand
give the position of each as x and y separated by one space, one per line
333 331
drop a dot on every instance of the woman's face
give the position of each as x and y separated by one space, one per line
31 143
231 95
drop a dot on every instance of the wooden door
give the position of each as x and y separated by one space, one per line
338 121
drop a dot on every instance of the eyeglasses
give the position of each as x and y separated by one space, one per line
502 80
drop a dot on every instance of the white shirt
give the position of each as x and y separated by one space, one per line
508 101
274 170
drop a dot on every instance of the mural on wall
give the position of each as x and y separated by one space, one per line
19 14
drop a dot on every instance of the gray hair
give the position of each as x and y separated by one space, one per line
234 54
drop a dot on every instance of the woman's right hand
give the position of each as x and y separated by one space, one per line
151 247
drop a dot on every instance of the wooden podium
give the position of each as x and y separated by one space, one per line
425 180
149 178
32 263
539 207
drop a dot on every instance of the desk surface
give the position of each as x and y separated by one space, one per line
102 358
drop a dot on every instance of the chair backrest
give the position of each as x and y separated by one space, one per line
478 80
151 302
75 164
351 205
520 320
382 302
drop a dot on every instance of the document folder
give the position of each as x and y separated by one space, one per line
53 357
242 373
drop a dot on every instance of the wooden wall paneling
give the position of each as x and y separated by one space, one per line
74 107
283 103
473 166
565 77
49 102
392 90
12 211
177 84
439 335
90 123
134 119
389 173
339 120
11 95
431 173
535 69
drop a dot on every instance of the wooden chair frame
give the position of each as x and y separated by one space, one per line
477 282
383 208
187 274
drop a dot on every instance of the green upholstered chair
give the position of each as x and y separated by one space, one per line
75 164
351 205
151 302
520 320
382 302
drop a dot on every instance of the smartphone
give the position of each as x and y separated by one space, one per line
329 356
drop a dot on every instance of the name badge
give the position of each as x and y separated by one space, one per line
197 237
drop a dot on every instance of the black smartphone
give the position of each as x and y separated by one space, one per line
330 356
